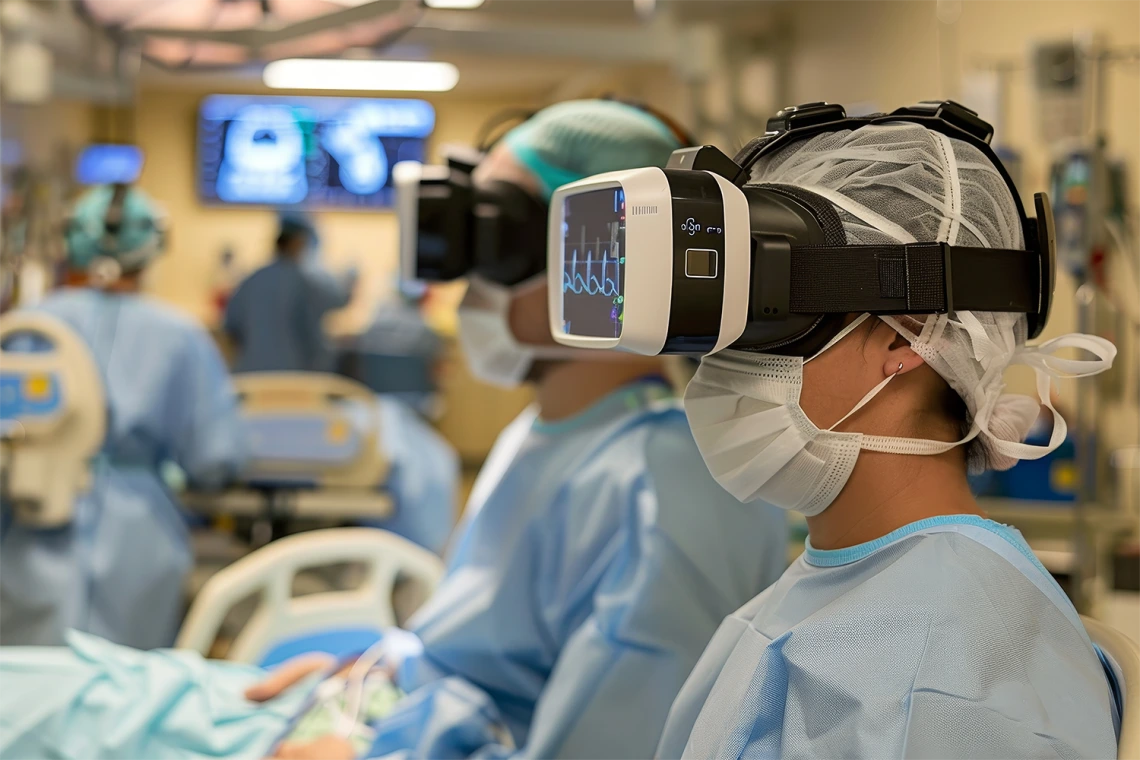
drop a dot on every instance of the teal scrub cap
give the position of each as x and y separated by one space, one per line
137 241
576 139
290 222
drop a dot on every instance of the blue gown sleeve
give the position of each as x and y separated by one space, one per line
320 292
448 718
621 595
949 726
232 319
423 479
328 291
209 444
1010 678
655 607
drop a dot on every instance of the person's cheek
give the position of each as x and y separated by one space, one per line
528 317
831 385
810 400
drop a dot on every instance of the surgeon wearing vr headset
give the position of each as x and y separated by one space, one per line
583 585
118 568
858 288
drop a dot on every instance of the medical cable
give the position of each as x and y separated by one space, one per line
354 689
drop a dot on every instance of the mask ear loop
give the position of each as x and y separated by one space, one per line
867 397
840 335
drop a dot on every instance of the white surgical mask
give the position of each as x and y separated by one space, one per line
757 442
493 354
744 410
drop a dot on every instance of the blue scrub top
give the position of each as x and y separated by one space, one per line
275 317
945 638
118 569
595 560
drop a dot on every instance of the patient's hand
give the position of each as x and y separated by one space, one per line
326 748
288 674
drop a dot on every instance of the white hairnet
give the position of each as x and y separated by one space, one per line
923 185
903 183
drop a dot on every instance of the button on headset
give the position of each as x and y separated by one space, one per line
805 115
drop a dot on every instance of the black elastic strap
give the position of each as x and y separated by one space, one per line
923 278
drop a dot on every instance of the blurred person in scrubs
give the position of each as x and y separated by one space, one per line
596 553
398 354
118 569
594 561
912 625
275 316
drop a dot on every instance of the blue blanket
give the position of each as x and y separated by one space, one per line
93 699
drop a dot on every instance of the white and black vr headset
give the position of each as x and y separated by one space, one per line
689 260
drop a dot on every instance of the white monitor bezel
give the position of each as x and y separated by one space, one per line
648 272
406 176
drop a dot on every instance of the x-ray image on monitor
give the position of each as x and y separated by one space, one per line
330 152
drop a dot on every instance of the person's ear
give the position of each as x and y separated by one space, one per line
900 358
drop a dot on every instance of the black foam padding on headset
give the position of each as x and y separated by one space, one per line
825 218
823 210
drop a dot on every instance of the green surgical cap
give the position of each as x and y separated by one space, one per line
569 141
136 242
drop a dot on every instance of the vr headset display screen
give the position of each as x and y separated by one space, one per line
593 263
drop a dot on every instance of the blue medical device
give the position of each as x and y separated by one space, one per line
109 165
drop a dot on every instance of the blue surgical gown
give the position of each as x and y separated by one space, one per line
423 478
943 639
117 569
594 562
275 317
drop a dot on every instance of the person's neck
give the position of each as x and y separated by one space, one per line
888 491
126 285
569 388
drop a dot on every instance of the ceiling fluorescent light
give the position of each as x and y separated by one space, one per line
465 5
345 74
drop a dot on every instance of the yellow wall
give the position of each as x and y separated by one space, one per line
42 131
896 53
45 139
893 52
165 124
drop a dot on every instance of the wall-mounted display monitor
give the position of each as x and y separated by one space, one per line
309 151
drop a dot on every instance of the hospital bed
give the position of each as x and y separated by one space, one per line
336 621
315 451
52 417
